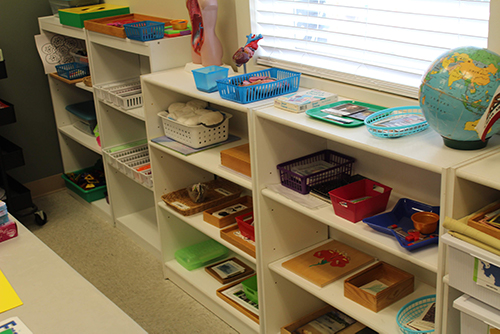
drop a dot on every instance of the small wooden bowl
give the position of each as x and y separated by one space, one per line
179 24
425 222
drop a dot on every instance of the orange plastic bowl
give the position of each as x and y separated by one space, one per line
179 24
425 222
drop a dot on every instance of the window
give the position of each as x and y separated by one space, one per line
380 44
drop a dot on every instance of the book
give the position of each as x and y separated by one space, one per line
327 263
301 101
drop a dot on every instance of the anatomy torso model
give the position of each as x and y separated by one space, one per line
206 47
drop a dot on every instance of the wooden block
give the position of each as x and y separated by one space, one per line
292 327
327 263
230 219
237 158
103 26
490 230
399 284
229 235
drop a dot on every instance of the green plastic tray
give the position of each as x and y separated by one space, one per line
88 195
318 114
201 254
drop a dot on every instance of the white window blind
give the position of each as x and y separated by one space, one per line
380 44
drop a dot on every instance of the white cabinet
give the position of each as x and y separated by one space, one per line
78 149
116 60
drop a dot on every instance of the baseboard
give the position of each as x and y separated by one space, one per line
46 186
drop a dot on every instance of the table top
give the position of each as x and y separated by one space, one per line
56 299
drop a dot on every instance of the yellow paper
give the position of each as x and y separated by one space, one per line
8 297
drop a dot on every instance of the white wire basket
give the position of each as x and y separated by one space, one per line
195 136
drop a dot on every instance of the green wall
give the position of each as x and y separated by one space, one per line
27 88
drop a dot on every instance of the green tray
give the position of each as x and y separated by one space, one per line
88 195
317 113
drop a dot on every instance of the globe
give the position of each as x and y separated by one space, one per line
457 89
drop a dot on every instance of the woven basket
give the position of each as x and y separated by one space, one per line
87 81
218 192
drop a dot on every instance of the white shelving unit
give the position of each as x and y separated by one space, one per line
78 150
112 60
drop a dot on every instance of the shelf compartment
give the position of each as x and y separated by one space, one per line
12 155
196 221
199 284
426 258
83 139
7 113
333 294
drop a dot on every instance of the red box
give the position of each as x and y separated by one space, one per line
360 199
245 223
8 231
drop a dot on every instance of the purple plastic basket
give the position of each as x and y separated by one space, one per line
340 165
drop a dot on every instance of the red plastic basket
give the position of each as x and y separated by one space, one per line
245 224
360 199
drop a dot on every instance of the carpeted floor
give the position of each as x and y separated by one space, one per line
120 269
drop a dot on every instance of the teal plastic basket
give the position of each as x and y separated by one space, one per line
144 30
72 71
381 123
413 310
286 82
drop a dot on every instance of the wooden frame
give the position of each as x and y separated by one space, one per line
490 230
240 308
248 271
228 235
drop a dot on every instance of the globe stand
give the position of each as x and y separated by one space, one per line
465 145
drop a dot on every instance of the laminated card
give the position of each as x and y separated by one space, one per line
300 102
327 263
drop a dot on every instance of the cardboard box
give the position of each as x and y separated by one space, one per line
302 101
230 218
237 158
292 327
8 231
76 16
378 286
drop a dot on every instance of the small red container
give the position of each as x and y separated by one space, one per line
245 224
8 231
361 199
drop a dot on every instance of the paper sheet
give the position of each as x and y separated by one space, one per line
9 298
55 49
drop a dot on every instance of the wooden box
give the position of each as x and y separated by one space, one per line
292 327
474 221
237 159
114 25
232 235
365 287
77 16
230 218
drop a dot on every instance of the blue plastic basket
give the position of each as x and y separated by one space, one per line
145 30
72 71
286 82
374 122
413 310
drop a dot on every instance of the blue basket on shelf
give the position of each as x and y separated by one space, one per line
231 89
396 122
413 310
72 71
145 30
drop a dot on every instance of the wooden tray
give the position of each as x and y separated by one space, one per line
490 230
101 25
237 306
399 284
248 271
70 82
229 219
218 192
228 235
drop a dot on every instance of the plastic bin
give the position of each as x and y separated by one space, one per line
72 71
360 199
84 116
145 30
88 195
200 254
320 167
286 82
206 78
250 289
412 311
245 224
